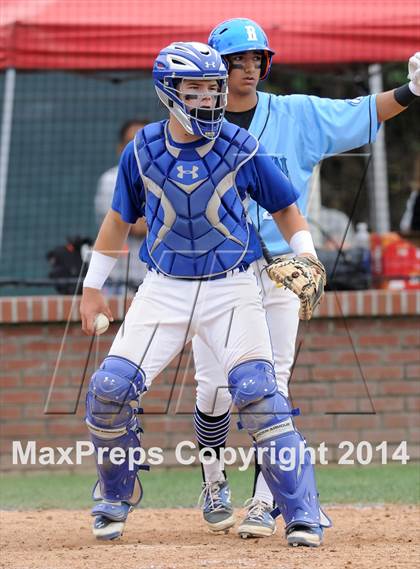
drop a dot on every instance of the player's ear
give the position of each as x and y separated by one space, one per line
265 65
227 62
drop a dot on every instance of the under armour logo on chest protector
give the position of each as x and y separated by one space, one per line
197 226
188 175
182 172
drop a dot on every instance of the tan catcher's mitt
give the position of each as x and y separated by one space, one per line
305 276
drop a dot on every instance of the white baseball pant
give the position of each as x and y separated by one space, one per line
282 313
226 314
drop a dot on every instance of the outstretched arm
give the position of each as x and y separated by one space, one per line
391 103
387 107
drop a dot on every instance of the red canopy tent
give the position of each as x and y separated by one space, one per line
127 34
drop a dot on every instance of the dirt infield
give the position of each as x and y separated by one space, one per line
377 537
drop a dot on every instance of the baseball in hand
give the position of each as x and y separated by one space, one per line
101 324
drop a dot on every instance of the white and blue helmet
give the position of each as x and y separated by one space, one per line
239 35
191 60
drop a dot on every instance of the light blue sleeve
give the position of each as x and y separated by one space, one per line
266 183
332 126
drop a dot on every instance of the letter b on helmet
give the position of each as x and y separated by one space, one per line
241 34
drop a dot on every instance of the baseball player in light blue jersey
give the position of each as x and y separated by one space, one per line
298 131
191 177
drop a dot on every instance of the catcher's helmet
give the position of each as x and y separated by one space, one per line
241 34
191 60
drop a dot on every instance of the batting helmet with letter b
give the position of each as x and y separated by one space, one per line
239 35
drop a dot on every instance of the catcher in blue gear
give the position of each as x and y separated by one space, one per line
191 178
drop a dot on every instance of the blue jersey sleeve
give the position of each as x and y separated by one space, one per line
267 184
129 195
331 126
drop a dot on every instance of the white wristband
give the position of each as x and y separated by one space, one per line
100 267
301 242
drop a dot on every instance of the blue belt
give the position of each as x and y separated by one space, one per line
241 268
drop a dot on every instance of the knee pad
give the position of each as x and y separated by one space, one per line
112 397
112 407
250 381
254 391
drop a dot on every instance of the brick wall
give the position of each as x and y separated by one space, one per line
356 376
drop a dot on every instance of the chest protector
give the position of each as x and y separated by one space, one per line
196 220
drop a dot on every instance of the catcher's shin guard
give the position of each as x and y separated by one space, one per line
287 468
112 405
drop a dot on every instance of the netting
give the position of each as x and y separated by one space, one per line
65 128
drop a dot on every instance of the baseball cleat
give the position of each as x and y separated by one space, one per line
217 507
110 519
304 535
258 521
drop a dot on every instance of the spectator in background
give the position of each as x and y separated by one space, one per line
328 225
335 224
103 199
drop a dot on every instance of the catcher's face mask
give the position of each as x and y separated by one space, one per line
200 108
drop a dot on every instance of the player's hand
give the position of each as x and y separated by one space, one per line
414 73
92 303
304 275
